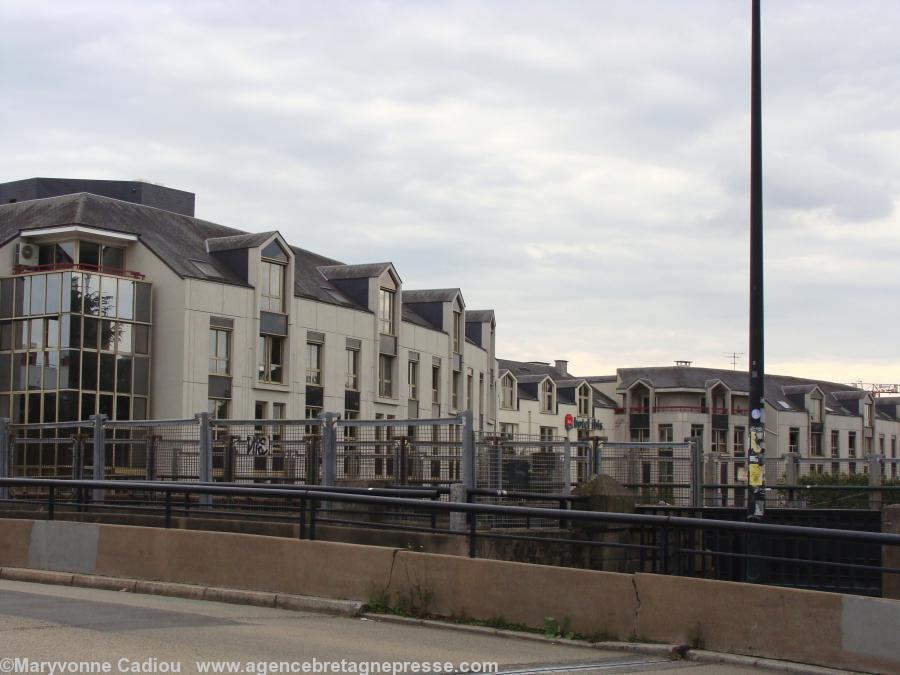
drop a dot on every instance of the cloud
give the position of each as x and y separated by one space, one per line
580 167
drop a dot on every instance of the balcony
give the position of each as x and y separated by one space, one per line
80 267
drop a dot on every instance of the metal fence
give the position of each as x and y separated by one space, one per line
434 453
421 452
659 473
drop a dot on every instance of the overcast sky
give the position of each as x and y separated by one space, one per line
580 167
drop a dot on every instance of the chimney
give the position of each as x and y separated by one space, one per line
684 364
562 366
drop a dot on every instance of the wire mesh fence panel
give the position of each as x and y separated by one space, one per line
267 451
152 450
523 464
412 453
657 473
48 451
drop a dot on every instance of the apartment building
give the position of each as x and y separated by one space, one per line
115 299
536 397
814 418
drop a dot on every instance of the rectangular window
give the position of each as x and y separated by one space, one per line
386 311
385 375
547 433
470 386
794 439
835 443
271 358
436 384
272 289
413 380
719 441
457 327
314 363
454 390
352 370
219 351
740 438
218 408
666 433
508 430
815 444
851 443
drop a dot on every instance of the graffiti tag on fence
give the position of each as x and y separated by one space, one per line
257 446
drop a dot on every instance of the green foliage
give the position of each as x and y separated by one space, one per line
844 499
555 629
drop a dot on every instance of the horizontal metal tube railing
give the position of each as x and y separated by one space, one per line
883 539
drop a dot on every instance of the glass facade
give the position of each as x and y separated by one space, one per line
73 345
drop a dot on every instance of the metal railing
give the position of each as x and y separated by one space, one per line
803 557
428 453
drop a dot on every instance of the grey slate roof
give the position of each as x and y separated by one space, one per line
479 315
529 373
237 241
778 387
430 295
176 239
364 271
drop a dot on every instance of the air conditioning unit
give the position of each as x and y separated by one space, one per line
26 254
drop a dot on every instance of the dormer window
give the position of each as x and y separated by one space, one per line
815 409
457 326
870 414
584 401
272 267
386 311
507 389
547 396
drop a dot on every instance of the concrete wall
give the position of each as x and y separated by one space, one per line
826 629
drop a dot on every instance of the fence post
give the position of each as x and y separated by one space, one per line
875 469
710 476
99 453
696 471
567 466
468 449
598 454
4 455
791 476
457 518
329 449
205 455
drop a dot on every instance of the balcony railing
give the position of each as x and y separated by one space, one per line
81 267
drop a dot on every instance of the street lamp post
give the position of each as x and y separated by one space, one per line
756 426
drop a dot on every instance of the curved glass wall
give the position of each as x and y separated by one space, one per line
73 345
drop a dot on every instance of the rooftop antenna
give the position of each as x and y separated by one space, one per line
734 357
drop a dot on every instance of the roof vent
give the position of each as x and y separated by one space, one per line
686 364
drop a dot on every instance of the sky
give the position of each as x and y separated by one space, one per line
582 168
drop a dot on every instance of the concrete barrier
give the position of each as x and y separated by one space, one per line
600 604
843 631
241 561
15 538
829 629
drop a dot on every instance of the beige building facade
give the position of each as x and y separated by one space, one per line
136 312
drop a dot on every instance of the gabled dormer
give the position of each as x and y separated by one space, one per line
444 309
584 396
509 385
234 253
547 395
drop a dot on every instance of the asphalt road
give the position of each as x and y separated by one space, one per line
142 633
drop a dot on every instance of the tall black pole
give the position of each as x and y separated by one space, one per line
756 454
